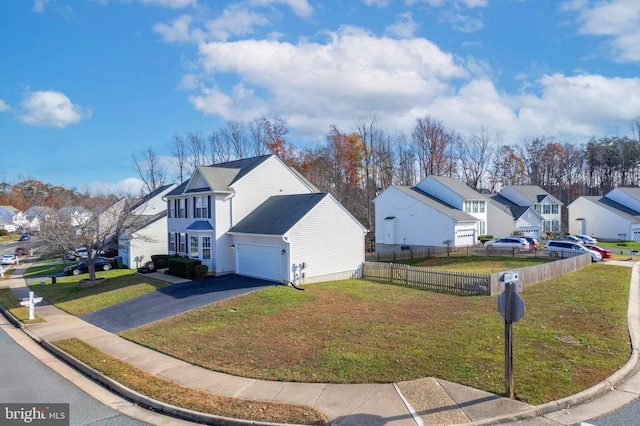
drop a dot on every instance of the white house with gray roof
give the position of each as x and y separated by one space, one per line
614 216
505 218
545 204
438 211
260 218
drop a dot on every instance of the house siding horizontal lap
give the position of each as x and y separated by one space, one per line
328 241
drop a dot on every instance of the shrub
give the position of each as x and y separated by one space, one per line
200 271
182 266
484 238
3 232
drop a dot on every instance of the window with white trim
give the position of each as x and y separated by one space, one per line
194 247
206 247
202 207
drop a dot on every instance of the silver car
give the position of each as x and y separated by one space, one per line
508 242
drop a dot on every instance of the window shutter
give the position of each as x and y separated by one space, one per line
209 206
194 206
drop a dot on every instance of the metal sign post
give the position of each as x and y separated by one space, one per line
511 307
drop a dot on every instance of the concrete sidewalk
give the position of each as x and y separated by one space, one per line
426 401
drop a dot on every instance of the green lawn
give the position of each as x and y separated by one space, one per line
121 285
356 331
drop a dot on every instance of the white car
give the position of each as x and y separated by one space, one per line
8 259
560 248
81 253
508 242
587 239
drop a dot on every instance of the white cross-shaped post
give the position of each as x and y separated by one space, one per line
31 303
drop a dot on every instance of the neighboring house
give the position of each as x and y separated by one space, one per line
14 218
77 216
505 218
542 202
7 225
146 229
437 211
260 218
36 216
614 216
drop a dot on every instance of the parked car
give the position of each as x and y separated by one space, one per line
25 237
81 253
533 243
559 247
606 254
102 264
8 259
508 242
587 239
21 251
571 238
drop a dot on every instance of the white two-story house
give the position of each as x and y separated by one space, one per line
543 203
438 211
260 218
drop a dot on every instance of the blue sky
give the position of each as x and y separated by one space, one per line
87 84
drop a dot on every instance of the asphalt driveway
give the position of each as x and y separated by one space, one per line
172 300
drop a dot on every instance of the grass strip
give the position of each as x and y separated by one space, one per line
184 397
10 303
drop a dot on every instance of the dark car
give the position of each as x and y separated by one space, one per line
25 237
606 254
102 264
21 251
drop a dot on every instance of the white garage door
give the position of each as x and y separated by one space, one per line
465 237
259 261
530 231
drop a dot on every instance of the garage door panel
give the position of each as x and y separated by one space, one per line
464 237
259 261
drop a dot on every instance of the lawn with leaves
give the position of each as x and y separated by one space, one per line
356 331
120 285
204 402
478 263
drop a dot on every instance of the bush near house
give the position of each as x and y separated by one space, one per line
484 238
160 261
200 271
182 267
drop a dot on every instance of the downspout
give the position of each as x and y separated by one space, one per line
296 277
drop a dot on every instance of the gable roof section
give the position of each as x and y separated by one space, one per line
10 209
614 207
632 192
459 188
510 207
218 177
436 204
534 193
278 214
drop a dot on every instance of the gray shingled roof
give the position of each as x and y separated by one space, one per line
617 208
631 192
534 193
278 214
459 188
436 204
508 206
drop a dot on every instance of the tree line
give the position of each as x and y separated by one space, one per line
357 164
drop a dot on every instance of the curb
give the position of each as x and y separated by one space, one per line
598 390
150 403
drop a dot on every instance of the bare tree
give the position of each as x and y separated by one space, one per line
180 156
476 154
152 174
197 152
434 147
219 147
95 225
369 133
236 134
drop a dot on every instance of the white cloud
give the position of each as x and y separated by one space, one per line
38 6
405 26
236 20
3 106
128 186
171 4
440 3
618 21
300 7
241 104
178 31
348 76
50 108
